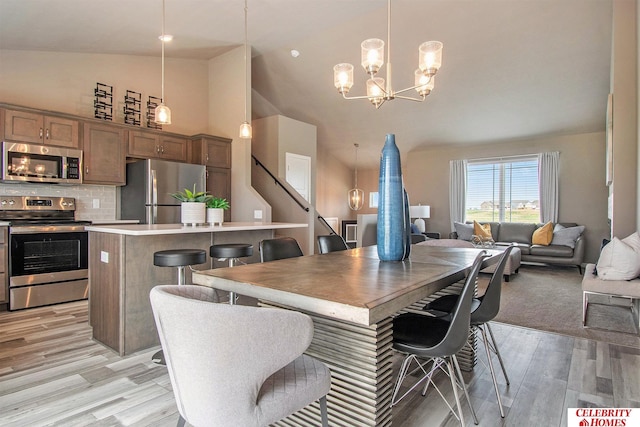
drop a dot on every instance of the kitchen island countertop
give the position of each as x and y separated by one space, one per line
160 229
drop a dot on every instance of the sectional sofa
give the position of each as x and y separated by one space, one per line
561 251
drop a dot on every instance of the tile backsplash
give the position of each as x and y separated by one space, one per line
93 202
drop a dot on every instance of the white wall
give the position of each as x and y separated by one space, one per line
65 82
582 189
624 86
227 94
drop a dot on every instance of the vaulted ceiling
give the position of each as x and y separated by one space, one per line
512 69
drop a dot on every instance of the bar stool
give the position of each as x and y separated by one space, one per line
180 258
231 251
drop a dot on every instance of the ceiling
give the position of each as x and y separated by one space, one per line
512 69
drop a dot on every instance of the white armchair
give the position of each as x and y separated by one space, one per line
233 365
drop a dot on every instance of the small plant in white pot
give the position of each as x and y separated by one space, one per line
215 210
193 206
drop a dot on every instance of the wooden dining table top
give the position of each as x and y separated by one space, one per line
352 285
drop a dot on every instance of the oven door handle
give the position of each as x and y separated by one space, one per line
35 229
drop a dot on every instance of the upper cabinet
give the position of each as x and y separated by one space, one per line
211 151
23 126
151 145
104 147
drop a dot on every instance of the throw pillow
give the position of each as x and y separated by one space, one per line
481 230
633 241
543 235
618 261
414 229
566 236
464 231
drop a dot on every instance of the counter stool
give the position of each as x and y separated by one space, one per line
231 251
180 258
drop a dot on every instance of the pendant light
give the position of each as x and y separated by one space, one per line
356 195
162 112
245 127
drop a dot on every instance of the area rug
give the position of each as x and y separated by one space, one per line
550 299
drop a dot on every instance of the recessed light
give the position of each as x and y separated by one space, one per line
166 38
295 53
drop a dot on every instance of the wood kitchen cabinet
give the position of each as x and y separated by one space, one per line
215 153
25 126
150 145
104 148
211 151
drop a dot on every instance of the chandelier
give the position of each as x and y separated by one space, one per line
379 90
162 112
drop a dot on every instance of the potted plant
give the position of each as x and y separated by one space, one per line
193 205
215 210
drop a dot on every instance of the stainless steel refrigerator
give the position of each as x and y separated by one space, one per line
147 195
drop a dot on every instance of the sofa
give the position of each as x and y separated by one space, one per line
566 248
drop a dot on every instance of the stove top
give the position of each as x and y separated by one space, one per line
36 210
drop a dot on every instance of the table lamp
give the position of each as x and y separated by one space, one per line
419 212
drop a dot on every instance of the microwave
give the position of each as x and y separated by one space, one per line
40 163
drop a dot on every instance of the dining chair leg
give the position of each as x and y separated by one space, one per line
464 388
454 385
323 411
181 422
493 373
497 351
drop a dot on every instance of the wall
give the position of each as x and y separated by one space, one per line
65 82
333 179
274 137
624 86
228 93
582 189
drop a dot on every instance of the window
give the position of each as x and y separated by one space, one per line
504 190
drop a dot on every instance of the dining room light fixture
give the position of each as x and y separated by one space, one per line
162 112
356 195
245 127
379 90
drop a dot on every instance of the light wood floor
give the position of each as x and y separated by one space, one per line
52 373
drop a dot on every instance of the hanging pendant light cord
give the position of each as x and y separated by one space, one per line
357 145
246 72
162 99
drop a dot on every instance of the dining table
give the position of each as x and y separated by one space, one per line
352 297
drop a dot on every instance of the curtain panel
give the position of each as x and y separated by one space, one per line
457 190
548 164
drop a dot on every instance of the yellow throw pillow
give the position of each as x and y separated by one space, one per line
483 231
543 235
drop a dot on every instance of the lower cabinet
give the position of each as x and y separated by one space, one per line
104 148
4 267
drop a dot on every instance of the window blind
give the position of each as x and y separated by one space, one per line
503 189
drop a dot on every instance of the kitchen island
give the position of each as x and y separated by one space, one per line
121 272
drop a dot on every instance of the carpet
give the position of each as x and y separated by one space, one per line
550 299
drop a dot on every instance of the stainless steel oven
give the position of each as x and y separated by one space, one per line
48 251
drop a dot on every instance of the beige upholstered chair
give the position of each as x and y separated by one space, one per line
233 365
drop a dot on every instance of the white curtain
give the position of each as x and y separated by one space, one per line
457 190
548 184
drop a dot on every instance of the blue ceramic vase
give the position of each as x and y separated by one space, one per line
394 228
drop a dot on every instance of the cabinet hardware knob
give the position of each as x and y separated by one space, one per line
47 134
40 133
